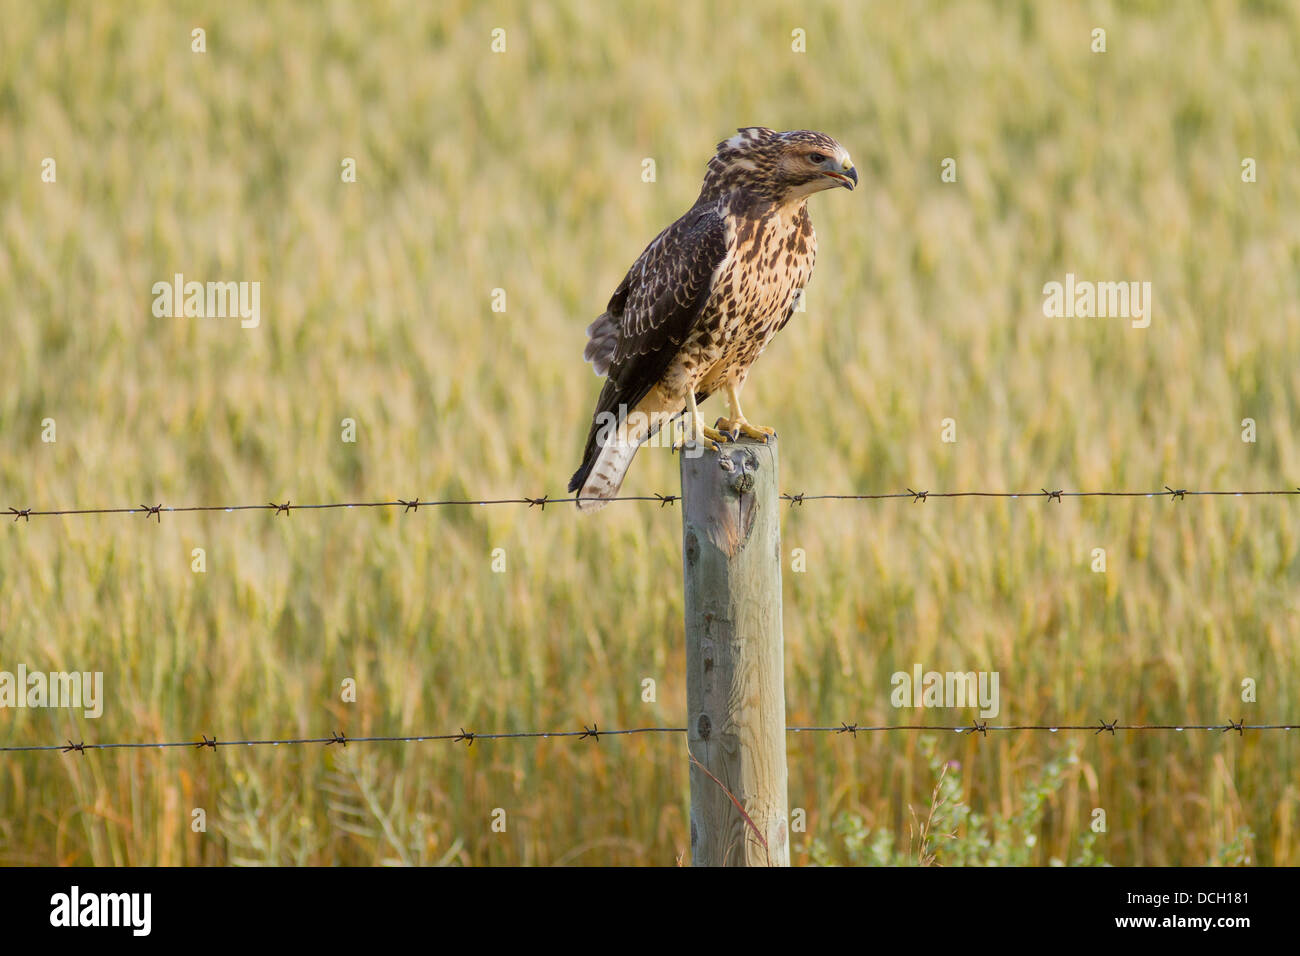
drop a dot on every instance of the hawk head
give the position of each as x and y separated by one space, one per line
779 167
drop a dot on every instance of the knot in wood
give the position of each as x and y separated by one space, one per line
704 726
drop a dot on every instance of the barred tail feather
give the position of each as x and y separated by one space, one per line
609 451
605 476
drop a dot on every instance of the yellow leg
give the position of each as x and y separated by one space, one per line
698 431
737 424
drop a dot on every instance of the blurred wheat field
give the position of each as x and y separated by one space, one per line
522 171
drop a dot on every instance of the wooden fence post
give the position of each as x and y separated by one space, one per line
735 677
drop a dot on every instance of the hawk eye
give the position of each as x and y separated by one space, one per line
816 158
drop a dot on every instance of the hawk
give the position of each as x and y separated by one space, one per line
702 301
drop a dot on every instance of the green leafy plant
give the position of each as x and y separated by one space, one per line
948 832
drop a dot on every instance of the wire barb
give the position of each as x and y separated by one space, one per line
983 728
662 499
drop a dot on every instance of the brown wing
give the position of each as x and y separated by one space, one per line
653 311
667 289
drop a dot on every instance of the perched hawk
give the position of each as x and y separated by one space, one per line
702 301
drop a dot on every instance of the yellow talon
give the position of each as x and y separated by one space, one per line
709 443
713 434
739 426
700 432
708 437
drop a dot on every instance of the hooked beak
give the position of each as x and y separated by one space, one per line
848 178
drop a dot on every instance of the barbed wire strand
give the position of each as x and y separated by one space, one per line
802 498
595 733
